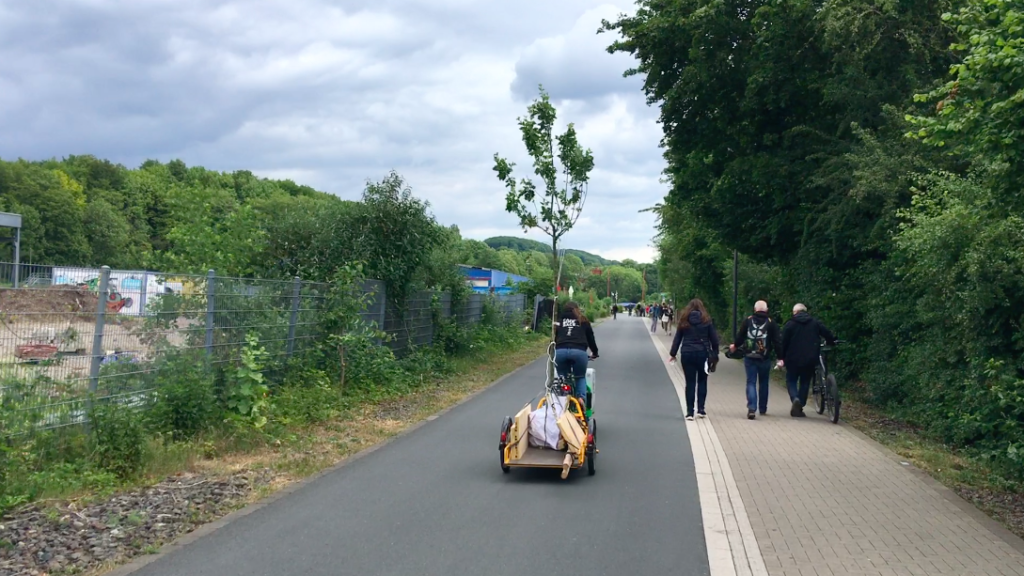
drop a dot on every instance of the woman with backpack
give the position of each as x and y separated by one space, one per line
696 342
758 337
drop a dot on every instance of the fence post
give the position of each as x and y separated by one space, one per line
210 280
97 340
296 294
383 299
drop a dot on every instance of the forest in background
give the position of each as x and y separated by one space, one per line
865 158
86 211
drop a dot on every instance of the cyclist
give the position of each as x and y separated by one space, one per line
801 347
573 336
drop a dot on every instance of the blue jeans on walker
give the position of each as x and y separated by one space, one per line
757 370
572 362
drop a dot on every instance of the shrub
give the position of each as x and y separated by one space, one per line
186 404
118 438
306 397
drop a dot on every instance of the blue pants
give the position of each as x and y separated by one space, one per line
803 375
757 370
572 362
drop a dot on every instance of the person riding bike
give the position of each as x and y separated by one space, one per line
573 335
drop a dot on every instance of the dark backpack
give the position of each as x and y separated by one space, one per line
757 338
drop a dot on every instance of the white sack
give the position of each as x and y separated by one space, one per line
544 432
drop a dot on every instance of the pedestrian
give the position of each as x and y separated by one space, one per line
615 311
696 342
801 348
655 316
664 316
671 317
758 337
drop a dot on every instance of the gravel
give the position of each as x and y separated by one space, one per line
68 538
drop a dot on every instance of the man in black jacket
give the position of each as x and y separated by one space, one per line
758 337
801 348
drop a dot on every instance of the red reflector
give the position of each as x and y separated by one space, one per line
504 436
590 438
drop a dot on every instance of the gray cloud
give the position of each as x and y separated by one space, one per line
332 94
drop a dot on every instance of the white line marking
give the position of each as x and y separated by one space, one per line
732 547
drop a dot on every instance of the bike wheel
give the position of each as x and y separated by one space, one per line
834 403
819 391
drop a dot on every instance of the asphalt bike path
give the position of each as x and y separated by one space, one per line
435 502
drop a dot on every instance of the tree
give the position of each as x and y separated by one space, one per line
978 113
555 208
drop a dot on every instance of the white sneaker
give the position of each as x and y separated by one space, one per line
689 418
702 415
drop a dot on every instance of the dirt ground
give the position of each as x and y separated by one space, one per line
52 300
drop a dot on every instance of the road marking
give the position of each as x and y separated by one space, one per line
732 548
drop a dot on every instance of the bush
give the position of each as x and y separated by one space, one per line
306 397
186 403
119 439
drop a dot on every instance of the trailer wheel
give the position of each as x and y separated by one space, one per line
592 447
506 427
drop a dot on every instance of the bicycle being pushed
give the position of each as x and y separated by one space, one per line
825 389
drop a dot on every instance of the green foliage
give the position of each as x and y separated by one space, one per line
528 245
246 390
186 403
979 113
786 127
307 396
118 439
564 189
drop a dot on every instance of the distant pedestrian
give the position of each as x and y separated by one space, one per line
655 314
664 316
758 338
615 311
696 342
801 348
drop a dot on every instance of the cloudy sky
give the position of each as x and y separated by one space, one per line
335 93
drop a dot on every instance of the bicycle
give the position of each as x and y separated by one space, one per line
825 388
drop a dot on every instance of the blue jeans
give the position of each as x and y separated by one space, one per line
802 375
573 362
757 370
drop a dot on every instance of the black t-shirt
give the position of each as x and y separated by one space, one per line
572 333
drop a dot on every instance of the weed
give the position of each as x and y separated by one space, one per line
247 390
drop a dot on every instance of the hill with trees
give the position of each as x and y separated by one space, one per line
530 245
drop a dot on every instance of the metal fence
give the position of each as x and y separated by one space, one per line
99 333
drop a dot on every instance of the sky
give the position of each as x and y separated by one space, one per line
333 94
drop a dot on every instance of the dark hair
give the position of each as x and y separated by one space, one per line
684 316
576 311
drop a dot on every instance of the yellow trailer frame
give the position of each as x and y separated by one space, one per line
517 453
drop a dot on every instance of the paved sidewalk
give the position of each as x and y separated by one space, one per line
824 500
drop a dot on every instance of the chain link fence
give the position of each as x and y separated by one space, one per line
78 333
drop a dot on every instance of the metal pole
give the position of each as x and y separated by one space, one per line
210 280
295 316
735 288
17 254
97 340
